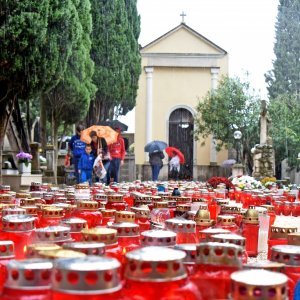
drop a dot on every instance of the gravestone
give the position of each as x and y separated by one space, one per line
35 163
263 153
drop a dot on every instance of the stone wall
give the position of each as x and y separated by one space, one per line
263 161
201 173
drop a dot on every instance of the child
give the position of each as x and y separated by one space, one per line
85 165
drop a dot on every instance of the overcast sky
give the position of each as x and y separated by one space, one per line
244 28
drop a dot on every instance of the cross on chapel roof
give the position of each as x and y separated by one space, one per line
183 15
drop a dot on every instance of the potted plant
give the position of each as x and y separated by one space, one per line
24 162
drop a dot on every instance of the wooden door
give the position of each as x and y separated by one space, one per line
181 126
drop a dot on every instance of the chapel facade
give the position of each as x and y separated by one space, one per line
178 69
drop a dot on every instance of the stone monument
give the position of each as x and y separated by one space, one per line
263 153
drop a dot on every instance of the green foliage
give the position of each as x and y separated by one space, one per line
285 129
284 78
69 100
116 56
230 107
23 30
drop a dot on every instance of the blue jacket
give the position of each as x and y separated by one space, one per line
86 162
77 146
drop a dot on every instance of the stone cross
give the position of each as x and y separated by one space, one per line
263 122
183 15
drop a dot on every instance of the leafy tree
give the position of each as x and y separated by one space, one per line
285 78
68 102
63 32
133 56
230 107
285 129
116 56
23 28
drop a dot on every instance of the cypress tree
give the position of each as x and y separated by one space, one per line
23 29
116 73
284 78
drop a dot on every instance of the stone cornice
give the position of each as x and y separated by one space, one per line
183 60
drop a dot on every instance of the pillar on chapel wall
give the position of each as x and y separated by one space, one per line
214 84
149 105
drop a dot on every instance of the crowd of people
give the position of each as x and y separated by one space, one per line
99 161
156 163
96 160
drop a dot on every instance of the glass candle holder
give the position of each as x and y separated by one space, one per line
162 238
190 259
206 234
60 253
88 210
185 230
13 210
271 214
108 236
258 285
250 229
6 254
142 217
182 209
124 216
51 216
227 222
265 265
279 236
89 278
294 238
232 238
288 255
19 229
108 216
128 237
88 248
76 226
215 263
53 234
115 202
264 220
28 279
157 273
100 198
33 250
203 221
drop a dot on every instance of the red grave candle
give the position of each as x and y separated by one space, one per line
157 273
215 263
28 279
89 278
88 210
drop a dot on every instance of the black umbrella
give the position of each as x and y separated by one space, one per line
115 124
155 146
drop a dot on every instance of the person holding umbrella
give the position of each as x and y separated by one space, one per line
99 147
156 162
156 156
174 166
177 158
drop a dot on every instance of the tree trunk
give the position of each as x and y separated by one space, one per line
54 141
28 120
5 113
43 122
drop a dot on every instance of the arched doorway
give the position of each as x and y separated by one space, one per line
181 126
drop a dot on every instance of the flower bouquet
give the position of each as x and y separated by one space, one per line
246 182
215 181
24 157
